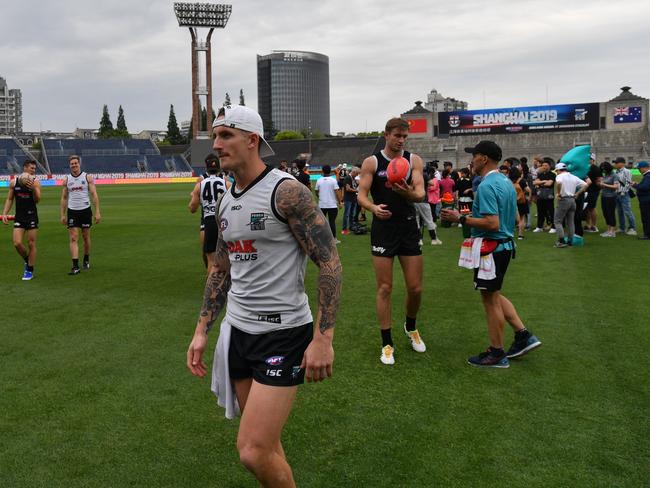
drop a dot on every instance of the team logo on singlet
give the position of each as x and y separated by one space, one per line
454 120
257 221
223 224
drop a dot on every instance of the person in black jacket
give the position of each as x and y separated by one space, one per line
643 192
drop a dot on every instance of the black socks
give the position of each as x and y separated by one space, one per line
386 338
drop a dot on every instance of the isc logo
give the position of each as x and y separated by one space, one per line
273 372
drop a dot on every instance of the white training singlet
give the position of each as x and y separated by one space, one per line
211 189
78 198
267 265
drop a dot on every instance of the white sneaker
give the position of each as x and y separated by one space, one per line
631 232
420 243
436 242
607 234
416 341
460 225
552 231
387 355
538 229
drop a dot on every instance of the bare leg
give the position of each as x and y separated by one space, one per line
412 268
495 318
31 240
510 314
17 239
203 254
85 233
384 275
258 442
74 247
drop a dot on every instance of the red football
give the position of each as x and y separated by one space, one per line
398 170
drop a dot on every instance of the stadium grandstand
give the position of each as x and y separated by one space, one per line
13 155
111 156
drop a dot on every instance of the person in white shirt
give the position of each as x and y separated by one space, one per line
623 204
329 198
567 188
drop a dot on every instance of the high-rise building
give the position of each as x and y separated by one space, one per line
11 109
293 91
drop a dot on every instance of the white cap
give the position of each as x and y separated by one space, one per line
244 118
560 166
592 156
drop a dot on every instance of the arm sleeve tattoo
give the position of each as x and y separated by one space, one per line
313 233
216 286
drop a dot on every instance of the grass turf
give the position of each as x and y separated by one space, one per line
94 390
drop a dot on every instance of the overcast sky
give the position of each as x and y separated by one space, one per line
70 57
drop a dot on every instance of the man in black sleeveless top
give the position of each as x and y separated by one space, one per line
27 193
394 232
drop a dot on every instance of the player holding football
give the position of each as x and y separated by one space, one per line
269 226
78 187
26 190
394 232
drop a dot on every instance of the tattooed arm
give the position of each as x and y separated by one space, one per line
214 299
311 230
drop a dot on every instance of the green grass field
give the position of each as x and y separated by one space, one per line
94 391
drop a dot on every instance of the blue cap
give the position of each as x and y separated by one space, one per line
643 164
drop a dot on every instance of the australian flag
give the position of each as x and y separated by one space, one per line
624 115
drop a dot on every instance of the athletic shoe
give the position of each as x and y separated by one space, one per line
74 271
552 230
560 244
345 232
522 347
416 341
387 355
460 225
420 243
538 229
631 232
436 242
607 234
85 266
521 238
488 359
27 275
594 229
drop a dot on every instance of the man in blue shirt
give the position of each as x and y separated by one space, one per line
494 215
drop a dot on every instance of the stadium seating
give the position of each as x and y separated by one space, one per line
12 157
111 156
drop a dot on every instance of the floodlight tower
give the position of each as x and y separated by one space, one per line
196 16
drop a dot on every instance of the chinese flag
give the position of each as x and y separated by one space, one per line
417 125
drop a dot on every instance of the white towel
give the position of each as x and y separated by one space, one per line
470 253
221 385
470 258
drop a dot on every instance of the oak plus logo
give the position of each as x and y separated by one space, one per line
243 250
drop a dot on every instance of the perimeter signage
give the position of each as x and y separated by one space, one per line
544 118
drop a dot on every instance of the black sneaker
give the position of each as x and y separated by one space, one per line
74 271
523 346
489 359
86 266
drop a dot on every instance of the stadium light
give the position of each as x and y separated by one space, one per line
197 16
202 14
